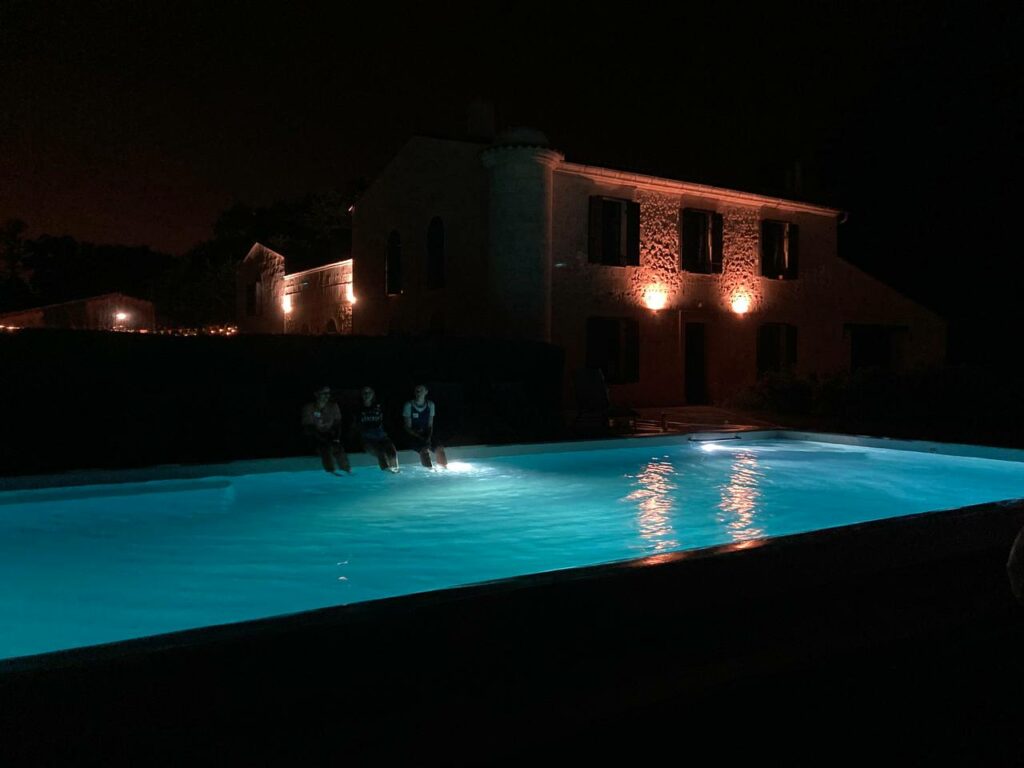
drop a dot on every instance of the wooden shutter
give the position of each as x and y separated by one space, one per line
716 242
789 357
766 249
595 235
630 350
793 250
633 234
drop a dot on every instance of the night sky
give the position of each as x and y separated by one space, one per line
138 123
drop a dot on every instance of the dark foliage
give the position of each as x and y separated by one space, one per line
195 289
965 403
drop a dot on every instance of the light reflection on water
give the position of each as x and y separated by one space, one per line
654 495
741 496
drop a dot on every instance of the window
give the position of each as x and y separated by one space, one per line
613 345
254 299
701 240
614 232
873 346
779 249
435 253
393 265
776 348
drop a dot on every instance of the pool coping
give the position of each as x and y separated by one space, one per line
458 453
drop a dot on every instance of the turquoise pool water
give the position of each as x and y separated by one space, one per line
94 564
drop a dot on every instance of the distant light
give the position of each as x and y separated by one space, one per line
741 303
656 297
121 316
286 304
351 208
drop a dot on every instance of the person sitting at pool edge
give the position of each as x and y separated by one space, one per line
370 423
321 421
418 417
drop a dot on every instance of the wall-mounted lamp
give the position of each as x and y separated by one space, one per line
286 304
655 297
741 303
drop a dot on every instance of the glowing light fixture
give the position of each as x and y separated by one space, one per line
741 303
655 297
350 294
286 304
121 317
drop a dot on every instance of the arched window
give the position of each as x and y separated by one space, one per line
393 265
331 327
435 253
254 299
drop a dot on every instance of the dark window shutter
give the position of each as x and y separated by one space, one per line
613 345
789 358
601 343
767 245
767 348
595 229
611 233
689 239
633 234
716 242
793 250
630 367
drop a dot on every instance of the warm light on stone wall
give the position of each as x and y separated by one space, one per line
659 252
739 285
736 289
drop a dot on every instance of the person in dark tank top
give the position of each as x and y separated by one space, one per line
370 424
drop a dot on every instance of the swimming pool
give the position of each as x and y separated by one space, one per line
99 563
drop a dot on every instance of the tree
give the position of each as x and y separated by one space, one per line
15 289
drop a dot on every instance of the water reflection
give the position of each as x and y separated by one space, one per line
654 498
740 497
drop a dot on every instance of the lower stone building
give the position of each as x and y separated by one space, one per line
313 301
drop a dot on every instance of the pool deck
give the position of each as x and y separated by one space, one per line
678 419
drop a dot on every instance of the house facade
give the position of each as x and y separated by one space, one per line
679 292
